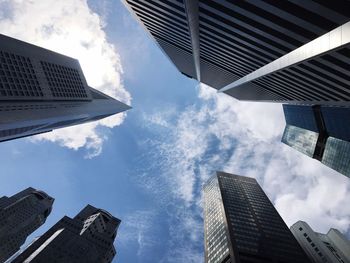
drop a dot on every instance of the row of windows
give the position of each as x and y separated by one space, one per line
64 81
17 77
309 240
20 107
15 131
216 235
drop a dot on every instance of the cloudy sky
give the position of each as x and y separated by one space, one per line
147 166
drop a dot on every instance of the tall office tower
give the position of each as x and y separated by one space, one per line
320 132
258 50
332 247
241 225
20 215
41 90
87 238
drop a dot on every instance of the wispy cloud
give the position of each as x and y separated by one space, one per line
220 133
137 229
71 28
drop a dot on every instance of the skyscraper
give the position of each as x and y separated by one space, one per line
322 248
257 50
87 238
11 259
41 90
241 224
320 132
20 215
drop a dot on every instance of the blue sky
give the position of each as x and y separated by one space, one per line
147 167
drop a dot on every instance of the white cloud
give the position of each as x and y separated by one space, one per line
136 228
243 138
71 28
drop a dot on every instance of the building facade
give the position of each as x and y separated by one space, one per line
41 90
332 247
86 238
320 132
276 51
20 215
241 225
11 259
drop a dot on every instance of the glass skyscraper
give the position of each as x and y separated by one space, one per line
216 232
242 225
320 132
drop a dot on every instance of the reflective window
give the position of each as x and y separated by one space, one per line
216 237
300 139
337 155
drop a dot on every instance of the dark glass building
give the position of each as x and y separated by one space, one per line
41 90
280 51
20 215
241 224
320 132
87 238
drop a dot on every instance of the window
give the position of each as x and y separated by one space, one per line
17 77
64 81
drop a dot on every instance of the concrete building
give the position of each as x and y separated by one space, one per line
241 224
332 247
41 90
86 238
320 132
277 51
20 215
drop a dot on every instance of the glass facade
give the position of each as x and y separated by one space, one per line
300 139
258 233
321 132
337 122
300 116
215 229
242 225
337 155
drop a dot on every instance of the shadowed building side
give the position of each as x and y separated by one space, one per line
219 43
316 73
86 238
20 215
